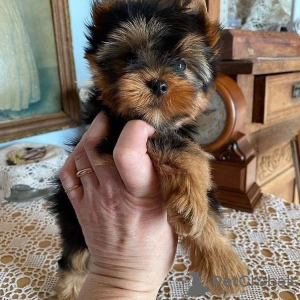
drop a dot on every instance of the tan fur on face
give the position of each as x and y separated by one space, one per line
131 96
135 97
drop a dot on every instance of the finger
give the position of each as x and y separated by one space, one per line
98 131
88 177
85 152
133 162
69 180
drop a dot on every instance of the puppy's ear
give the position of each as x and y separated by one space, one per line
213 29
196 6
99 11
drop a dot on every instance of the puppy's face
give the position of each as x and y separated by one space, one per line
153 60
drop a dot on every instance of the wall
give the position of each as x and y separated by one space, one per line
79 14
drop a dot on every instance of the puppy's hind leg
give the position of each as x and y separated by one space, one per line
74 260
72 274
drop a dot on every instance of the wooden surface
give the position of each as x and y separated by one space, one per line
69 115
62 26
264 137
273 100
296 148
234 174
35 125
296 196
274 161
242 44
282 186
246 83
298 143
234 168
260 66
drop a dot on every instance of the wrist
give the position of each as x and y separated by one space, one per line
98 287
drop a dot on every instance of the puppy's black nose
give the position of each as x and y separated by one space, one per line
158 87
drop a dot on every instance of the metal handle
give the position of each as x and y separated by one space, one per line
296 91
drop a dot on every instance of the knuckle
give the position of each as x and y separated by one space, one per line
63 174
120 155
74 197
125 157
90 143
79 152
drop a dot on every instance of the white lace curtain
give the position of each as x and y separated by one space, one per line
260 14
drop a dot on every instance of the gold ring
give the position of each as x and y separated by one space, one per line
84 172
72 188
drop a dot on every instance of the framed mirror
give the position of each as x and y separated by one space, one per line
37 80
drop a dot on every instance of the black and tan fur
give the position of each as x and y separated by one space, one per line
155 60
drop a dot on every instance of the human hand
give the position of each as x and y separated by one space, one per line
119 207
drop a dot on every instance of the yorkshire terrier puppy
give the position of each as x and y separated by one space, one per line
155 60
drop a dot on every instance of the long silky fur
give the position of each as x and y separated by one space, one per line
132 43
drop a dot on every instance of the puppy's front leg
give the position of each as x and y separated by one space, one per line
183 170
184 174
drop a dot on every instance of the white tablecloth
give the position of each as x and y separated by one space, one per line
267 240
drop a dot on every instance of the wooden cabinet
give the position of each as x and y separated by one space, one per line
270 87
263 157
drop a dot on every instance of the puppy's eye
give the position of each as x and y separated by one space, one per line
181 64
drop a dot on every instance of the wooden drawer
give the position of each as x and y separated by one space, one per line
276 97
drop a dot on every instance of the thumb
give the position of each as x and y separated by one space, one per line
132 161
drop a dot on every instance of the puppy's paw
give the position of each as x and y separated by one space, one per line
228 273
212 256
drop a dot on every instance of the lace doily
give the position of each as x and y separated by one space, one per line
35 175
268 242
261 14
29 250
